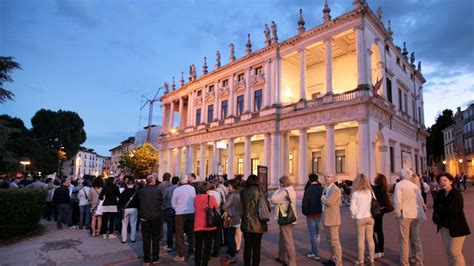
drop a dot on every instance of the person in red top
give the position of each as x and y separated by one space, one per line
203 235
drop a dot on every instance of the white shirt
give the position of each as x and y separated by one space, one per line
361 200
81 195
183 199
407 201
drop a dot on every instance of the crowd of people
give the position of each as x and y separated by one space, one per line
110 208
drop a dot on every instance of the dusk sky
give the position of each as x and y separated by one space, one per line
98 57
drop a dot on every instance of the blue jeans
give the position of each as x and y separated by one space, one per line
231 244
313 228
85 216
64 214
169 219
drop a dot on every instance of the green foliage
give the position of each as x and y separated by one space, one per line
140 161
21 210
7 65
435 142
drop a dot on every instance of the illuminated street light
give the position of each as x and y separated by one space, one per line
460 160
25 163
174 130
444 162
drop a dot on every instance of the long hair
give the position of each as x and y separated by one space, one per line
361 182
381 181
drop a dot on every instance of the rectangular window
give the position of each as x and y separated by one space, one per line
421 164
254 163
392 160
291 165
400 106
198 116
197 166
340 161
225 83
419 114
210 113
211 88
257 100
413 109
240 166
224 109
240 77
389 90
405 101
316 162
240 104
199 93
258 71
416 163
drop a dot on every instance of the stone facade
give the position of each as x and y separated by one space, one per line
338 98
85 162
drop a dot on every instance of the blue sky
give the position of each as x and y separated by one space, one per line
98 57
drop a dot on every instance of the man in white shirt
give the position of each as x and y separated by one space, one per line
409 210
182 202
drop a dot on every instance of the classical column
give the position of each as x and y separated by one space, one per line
302 74
286 153
231 97
328 44
302 156
204 107
171 117
191 159
164 119
276 166
277 77
247 153
161 163
364 148
230 158
170 159
383 159
248 91
268 84
330 150
215 152
361 57
216 101
181 114
267 151
202 161
178 161
381 75
186 159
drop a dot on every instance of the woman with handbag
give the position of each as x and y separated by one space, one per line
110 195
94 193
449 217
380 189
203 232
285 200
232 209
361 203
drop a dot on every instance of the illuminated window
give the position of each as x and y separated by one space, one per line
316 162
291 166
240 166
340 161
254 163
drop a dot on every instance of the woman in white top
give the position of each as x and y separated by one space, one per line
360 210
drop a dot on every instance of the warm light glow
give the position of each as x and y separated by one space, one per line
460 160
221 145
174 130
444 162
24 163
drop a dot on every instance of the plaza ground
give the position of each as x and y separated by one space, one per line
75 247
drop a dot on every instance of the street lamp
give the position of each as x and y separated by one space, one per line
59 160
25 163
444 163
460 166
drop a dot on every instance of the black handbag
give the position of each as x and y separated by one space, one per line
375 209
290 215
213 218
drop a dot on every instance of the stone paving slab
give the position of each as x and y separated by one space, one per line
76 247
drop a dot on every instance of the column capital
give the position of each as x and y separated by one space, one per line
269 60
302 50
363 121
328 40
331 125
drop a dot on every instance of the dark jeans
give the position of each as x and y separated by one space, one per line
75 213
85 216
170 230
216 245
252 243
108 222
203 247
378 234
64 214
48 210
151 233
184 223
231 245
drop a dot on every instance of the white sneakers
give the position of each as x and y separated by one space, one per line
312 256
378 255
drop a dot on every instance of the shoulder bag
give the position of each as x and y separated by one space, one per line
375 209
290 215
213 218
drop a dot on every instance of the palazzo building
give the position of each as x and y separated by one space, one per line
338 98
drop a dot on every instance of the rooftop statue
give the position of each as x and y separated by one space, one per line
266 31
274 32
232 52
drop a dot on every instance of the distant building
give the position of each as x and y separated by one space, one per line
85 162
337 98
459 143
116 154
141 136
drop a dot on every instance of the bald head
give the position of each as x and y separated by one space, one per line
150 180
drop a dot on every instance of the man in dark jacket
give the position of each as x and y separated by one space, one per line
312 208
62 201
151 218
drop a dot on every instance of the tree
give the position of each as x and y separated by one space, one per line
139 161
7 65
56 131
435 142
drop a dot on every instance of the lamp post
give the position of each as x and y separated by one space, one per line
460 166
25 163
59 161
444 164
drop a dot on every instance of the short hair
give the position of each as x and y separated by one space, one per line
252 180
193 175
233 183
203 187
285 181
313 177
175 180
447 175
166 176
130 181
150 179
98 182
183 179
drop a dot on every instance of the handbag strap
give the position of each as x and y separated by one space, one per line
131 198
208 199
288 196
373 194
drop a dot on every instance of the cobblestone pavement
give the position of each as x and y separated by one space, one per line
76 247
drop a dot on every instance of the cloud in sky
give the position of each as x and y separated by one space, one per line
98 57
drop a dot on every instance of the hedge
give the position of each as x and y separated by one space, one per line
20 211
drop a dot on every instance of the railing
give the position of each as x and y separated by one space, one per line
314 102
345 96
